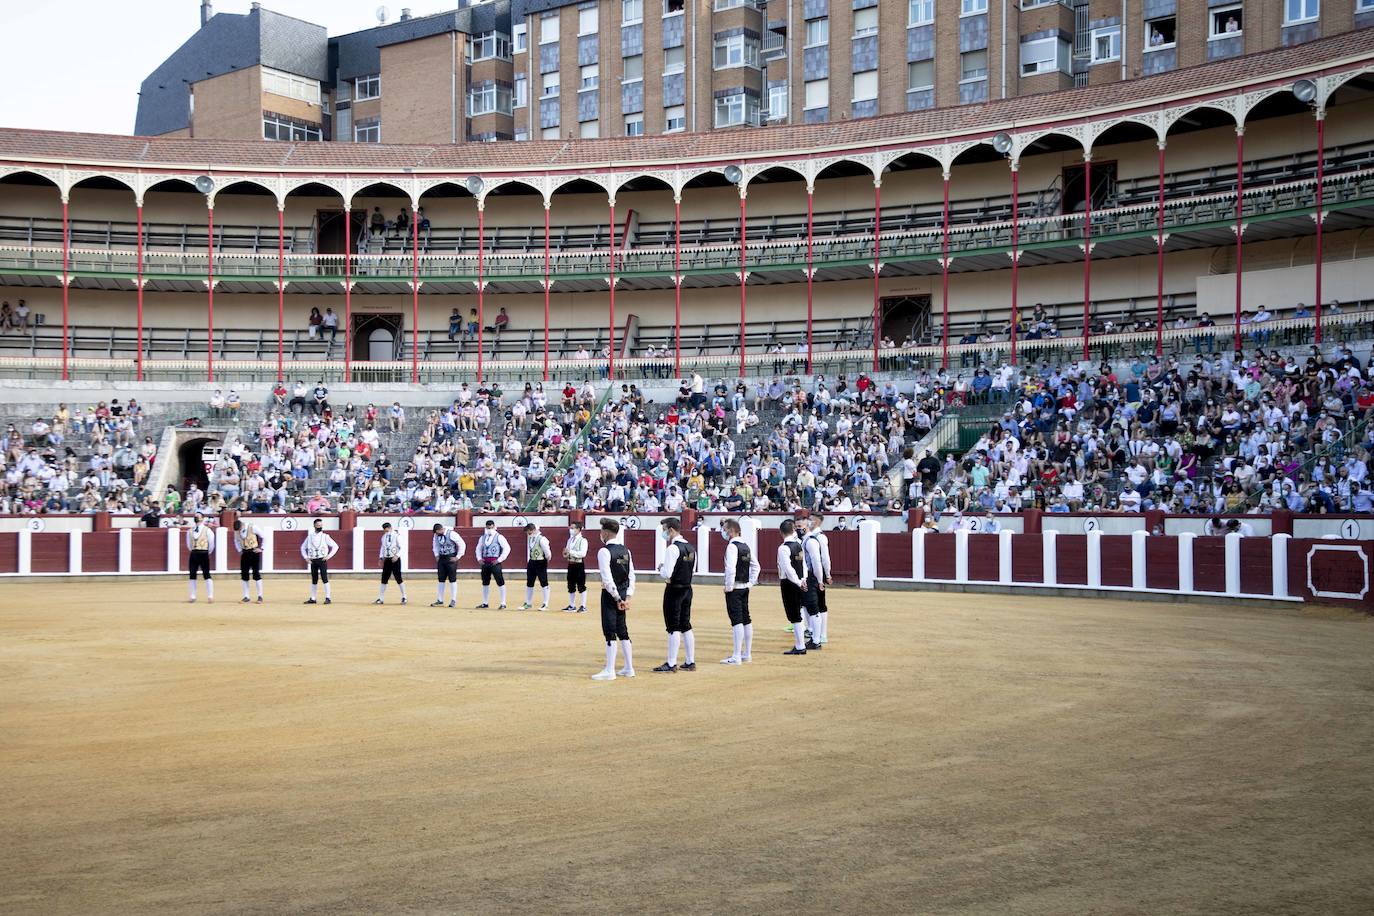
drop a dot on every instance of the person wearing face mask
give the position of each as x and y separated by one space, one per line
617 570
390 555
318 548
575 551
741 575
792 582
821 636
248 539
200 543
536 565
492 550
449 548
679 563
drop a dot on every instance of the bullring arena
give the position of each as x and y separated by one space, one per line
1035 422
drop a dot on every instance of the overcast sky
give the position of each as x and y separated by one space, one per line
77 64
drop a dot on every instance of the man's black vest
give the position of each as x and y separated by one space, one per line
686 564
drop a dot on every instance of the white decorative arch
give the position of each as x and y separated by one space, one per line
1228 104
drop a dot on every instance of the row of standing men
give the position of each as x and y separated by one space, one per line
803 565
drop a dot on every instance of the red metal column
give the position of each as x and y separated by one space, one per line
1159 267
348 289
281 288
677 284
547 204
210 281
610 352
944 281
1087 249
415 295
810 268
1240 226
877 266
743 274
481 291
1015 252
1321 216
138 278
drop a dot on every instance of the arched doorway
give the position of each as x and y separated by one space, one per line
374 337
191 462
381 344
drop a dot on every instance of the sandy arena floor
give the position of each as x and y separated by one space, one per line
946 754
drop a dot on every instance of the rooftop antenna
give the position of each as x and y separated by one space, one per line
381 15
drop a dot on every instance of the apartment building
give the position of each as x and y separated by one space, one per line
567 69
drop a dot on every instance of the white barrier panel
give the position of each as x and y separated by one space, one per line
1094 541
74 552
868 553
268 560
1279 546
918 554
1185 562
221 549
1050 569
1138 539
25 552
126 550
1233 564
358 554
961 555
1004 542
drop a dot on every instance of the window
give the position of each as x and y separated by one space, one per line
488 98
866 22
866 86
591 76
920 75
631 11
634 68
522 91
1364 6
1106 44
291 86
817 94
817 32
522 135
280 127
587 20
777 102
368 130
736 51
1160 33
969 7
488 46
973 65
727 4
737 108
920 12
589 130
367 87
1296 11
549 133
1225 22
1040 56
674 59
548 29
521 39
634 125
673 7
675 119
550 85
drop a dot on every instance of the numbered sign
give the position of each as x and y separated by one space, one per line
1091 524
36 524
406 523
1350 529
629 521
288 524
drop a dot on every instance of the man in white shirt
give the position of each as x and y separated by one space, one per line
617 570
741 575
679 564
575 552
817 575
390 554
449 548
248 541
200 543
318 549
536 565
792 581
822 636
492 550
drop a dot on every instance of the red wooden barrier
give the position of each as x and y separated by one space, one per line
939 556
984 557
50 551
1332 572
1027 558
1256 566
9 552
894 556
1209 564
100 552
148 550
1071 559
770 539
1116 560
1161 563
286 550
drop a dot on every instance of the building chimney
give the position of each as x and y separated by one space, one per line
405 13
206 11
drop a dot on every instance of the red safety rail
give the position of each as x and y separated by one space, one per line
100 552
9 552
50 551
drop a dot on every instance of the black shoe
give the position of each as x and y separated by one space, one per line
379 601
689 666
243 601
436 604
310 601
329 601
480 607
812 646
666 668
260 599
795 652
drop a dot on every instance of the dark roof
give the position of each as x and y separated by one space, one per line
360 54
228 42
666 151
